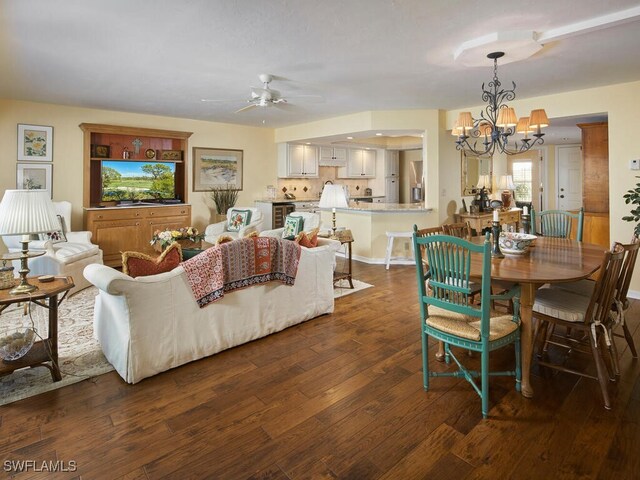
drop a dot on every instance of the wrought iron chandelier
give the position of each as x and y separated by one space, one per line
498 122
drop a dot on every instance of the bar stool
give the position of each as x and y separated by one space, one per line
391 236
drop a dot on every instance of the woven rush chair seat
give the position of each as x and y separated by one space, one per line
464 326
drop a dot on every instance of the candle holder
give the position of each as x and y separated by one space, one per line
495 249
526 223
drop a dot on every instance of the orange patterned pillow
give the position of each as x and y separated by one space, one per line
308 240
137 264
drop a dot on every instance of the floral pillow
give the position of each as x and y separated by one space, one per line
137 264
238 219
56 236
292 227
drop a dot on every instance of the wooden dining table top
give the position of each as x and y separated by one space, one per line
548 260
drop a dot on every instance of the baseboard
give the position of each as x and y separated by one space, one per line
633 294
377 261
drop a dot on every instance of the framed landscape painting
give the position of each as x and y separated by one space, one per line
35 143
214 167
34 176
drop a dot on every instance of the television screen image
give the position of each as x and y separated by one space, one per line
122 180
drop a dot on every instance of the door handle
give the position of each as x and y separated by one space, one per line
561 196
562 189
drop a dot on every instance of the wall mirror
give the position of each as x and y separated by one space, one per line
472 166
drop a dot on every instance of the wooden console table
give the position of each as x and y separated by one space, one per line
45 350
480 221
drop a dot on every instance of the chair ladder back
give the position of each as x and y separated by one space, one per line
604 290
558 223
629 263
421 233
449 260
460 230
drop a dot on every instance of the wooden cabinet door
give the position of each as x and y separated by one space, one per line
392 190
354 163
296 160
310 161
392 163
117 236
368 163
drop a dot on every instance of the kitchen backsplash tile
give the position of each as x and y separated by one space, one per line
314 185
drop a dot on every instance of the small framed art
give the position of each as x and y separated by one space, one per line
34 176
35 143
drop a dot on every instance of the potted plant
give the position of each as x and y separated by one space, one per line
224 197
633 197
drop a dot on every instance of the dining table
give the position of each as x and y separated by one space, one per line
548 260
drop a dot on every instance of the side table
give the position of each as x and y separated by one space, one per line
45 350
345 237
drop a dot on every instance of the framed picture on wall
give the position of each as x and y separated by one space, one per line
34 176
35 143
215 167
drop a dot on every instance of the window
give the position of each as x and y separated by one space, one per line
522 173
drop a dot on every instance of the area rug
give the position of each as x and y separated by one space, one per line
79 354
341 287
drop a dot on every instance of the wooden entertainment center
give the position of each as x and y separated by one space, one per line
118 228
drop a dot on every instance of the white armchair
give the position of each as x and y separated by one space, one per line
216 230
61 258
311 221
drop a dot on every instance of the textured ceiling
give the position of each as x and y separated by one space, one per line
329 57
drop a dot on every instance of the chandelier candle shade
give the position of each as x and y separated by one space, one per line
26 212
333 196
498 122
506 185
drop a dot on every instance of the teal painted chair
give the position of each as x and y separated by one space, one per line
448 314
557 223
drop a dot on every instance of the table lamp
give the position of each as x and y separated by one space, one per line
484 182
506 185
26 212
333 196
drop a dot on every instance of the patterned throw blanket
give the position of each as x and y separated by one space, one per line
239 264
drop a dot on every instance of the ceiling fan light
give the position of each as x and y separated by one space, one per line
507 117
538 119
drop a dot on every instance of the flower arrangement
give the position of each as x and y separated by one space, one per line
165 238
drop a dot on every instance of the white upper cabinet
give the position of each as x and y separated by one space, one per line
333 157
392 163
360 164
297 161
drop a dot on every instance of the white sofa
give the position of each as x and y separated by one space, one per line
150 324
62 258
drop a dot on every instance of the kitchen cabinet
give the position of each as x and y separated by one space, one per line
297 161
361 163
333 157
595 174
121 229
392 163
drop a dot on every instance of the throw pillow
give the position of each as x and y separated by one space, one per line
223 239
292 227
238 219
137 264
309 240
57 235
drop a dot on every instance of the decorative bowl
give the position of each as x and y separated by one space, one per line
515 243
15 344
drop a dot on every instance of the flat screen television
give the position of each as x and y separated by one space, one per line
131 180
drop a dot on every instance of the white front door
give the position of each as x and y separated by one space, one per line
569 177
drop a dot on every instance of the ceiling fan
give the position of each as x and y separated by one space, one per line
263 96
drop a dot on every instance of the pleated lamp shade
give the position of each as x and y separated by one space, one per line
507 117
538 119
23 212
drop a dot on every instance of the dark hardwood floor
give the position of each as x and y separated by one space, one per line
339 396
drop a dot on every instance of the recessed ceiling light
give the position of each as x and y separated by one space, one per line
378 134
349 138
308 143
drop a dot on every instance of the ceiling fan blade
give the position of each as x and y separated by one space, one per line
251 105
216 100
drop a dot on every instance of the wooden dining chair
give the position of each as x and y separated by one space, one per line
448 314
587 314
557 223
620 304
460 230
